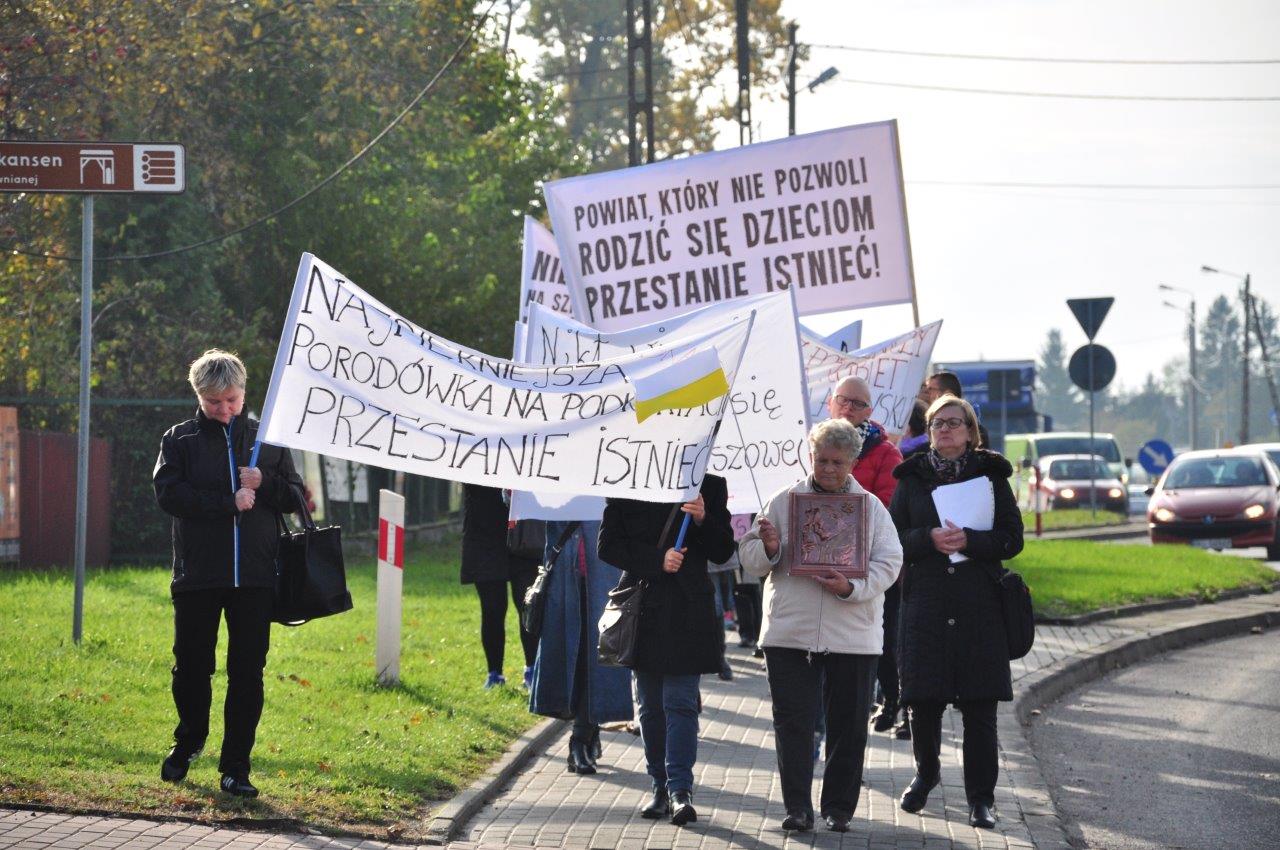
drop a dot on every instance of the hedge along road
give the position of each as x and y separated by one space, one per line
1182 750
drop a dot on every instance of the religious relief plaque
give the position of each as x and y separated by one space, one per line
828 531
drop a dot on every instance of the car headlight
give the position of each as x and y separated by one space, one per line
1164 515
1115 493
1254 511
1067 493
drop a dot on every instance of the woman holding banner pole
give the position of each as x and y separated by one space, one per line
679 636
224 548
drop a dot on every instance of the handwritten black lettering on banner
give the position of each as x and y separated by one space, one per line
354 380
761 445
822 214
894 369
542 278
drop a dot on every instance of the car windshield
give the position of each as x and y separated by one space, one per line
1217 472
1078 469
1106 449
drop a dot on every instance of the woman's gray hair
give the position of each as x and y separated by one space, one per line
216 371
835 434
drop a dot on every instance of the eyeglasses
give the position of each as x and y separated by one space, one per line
855 403
946 424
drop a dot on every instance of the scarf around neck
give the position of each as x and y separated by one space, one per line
871 434
948 470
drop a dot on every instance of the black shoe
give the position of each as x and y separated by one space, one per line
798 822
980 816
837 823
882 720
917 794
594 749
579 762
903 730
659 807
726 672
758 652
237 786
682 810
175 765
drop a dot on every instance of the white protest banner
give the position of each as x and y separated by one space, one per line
352 379
761 446
541 278
894 368
823 213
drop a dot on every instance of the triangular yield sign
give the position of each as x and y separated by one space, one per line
1090 312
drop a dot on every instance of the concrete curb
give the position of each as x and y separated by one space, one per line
1118 531
1048 827
1149 607
447 822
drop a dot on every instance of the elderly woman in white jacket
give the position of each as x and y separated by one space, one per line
826 624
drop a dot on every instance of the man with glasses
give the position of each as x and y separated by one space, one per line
873 469
948 383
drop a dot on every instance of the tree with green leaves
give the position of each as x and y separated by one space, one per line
1056 395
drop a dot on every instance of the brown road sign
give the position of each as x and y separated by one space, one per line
92 167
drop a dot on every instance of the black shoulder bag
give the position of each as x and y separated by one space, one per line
1019 620
535 598
311 579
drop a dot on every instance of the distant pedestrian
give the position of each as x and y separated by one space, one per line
953 646
568 680
948 383
824 625
916 438
224 548
495 571
680 637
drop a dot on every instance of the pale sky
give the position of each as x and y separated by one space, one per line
999 263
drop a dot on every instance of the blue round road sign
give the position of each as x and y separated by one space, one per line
1155 456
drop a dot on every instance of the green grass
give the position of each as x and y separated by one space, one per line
1078 518
87 726
1069 577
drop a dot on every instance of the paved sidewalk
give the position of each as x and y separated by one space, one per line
736 793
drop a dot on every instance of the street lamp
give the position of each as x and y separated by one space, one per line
791 80
1191 356
1244 387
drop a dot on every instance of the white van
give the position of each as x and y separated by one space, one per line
1018 447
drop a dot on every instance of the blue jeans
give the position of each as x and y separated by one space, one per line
669 727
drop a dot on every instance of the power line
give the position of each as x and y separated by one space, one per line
1052 59
1011 93
1015 184
293 203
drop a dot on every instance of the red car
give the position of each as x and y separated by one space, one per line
1219 499
1065 482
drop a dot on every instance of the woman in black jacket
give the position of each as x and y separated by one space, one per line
953 647
492 568
224 548
679 634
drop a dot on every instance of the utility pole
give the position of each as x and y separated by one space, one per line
639 59
1266 362
791 80
1191 390
744 73
1244 389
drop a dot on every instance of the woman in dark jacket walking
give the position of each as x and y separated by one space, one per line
224 547
679 635
488 565
953 647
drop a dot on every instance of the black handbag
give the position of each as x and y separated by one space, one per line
527 538
1019 620
535 598
620 626
311 580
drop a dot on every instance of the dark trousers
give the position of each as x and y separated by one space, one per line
846 704
887 669
746 599
493 618
981 746
195 641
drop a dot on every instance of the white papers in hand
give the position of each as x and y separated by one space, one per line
969 504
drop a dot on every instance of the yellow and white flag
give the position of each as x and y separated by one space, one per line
690 381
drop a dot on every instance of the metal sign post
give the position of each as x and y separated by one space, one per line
1092 367
89 168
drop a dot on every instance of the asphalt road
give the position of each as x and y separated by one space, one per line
1181 751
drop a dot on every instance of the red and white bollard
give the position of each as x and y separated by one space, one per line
390 583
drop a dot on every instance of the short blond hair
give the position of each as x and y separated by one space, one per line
216 371
970 417
835 434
